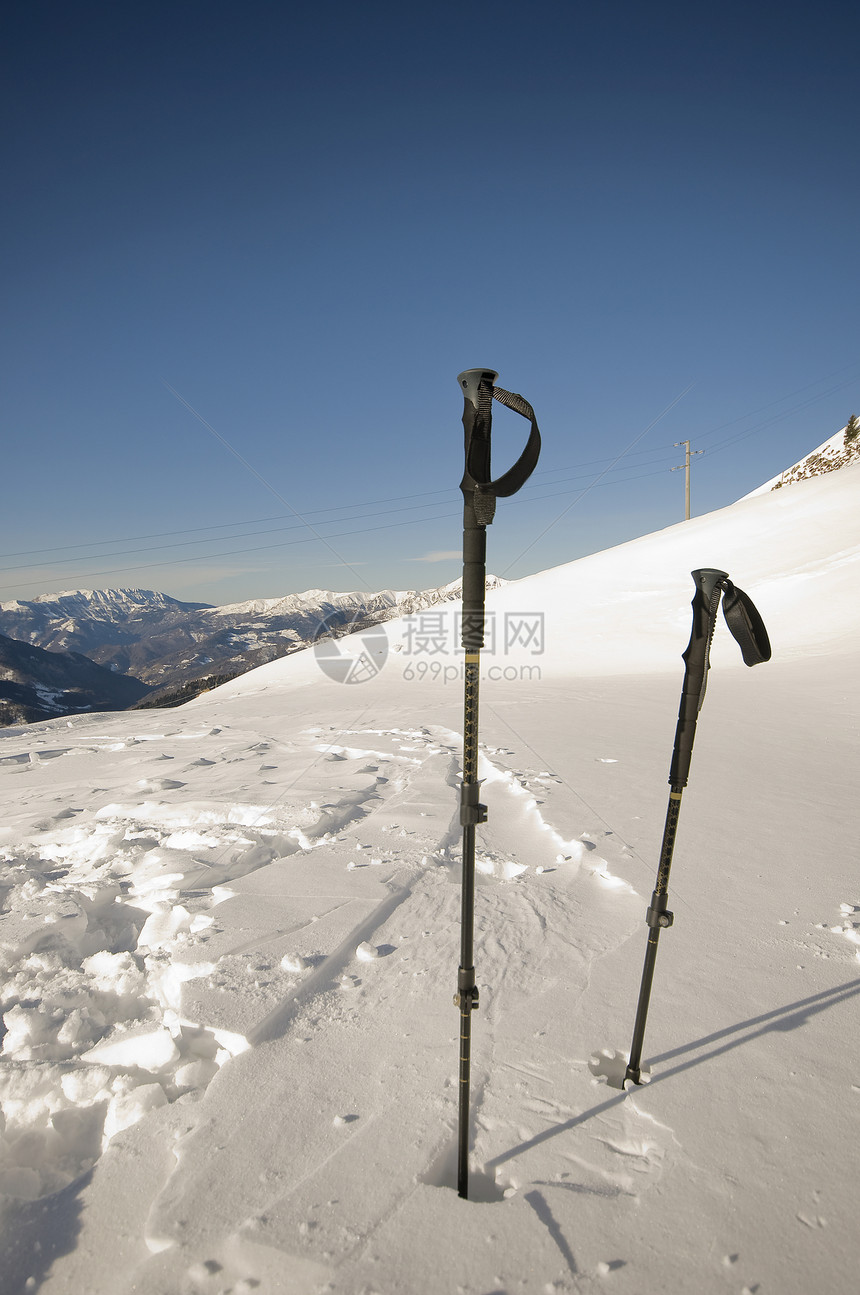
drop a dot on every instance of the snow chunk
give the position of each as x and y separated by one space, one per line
163 925
128 1108
146 1049
505 870
84 1087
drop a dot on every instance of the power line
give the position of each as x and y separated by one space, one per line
788 396
450 495
268 485
776 418
206 557
278 529
530 495
220 526
256 548
555 494
652 455
212 539
584 492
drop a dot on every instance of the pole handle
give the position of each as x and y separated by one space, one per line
470 381
479 489
748 630
696 658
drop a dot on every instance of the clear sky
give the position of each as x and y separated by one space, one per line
299 223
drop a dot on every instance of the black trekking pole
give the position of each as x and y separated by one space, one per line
748 629
479 505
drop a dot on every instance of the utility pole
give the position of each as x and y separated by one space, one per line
686 466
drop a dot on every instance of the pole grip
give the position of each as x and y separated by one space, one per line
477 387
706 601
470 383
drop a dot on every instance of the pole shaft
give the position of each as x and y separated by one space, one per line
467 993
658 917
470 779
472 637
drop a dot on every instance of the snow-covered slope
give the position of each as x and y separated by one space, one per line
230 943
626 610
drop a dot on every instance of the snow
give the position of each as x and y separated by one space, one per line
230 935
832 453
88 599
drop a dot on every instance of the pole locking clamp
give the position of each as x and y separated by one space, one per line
471 810
656 917
466 996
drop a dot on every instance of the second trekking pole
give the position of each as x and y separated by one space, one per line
748 629
479 505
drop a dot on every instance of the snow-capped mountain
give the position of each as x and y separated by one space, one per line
100 623
169 644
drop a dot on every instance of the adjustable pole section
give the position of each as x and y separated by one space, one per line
748 629
479 503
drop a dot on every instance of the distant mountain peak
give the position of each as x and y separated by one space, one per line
114 598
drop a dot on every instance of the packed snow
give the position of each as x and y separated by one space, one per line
230 937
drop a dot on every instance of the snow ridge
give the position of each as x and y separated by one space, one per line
836 452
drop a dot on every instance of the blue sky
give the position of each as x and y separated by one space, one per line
297 225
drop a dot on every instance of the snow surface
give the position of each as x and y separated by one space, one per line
832 453
230 935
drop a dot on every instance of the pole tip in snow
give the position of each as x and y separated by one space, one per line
470 379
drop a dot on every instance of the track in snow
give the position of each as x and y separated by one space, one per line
307 908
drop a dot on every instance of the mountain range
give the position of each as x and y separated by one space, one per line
170 650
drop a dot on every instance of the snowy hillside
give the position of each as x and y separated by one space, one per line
230 942
37 685
836 452
626 610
